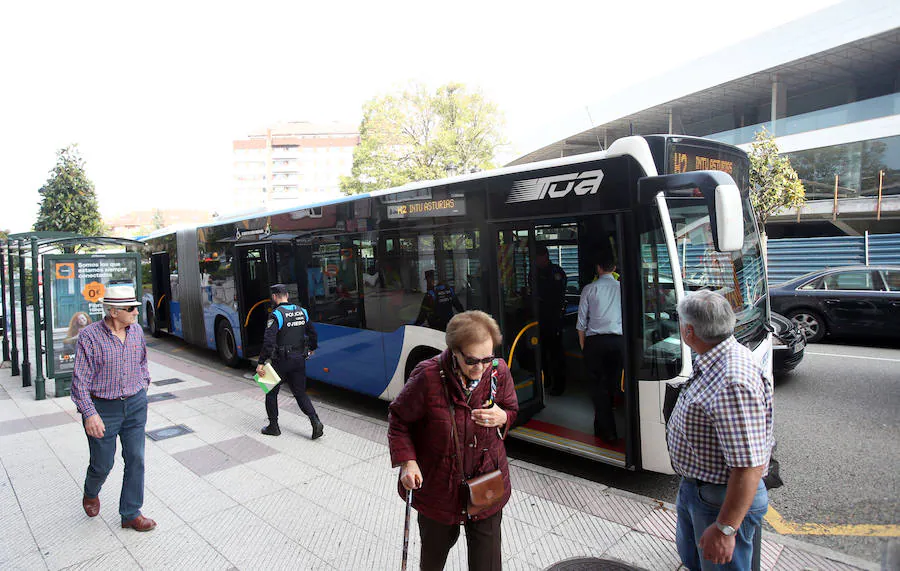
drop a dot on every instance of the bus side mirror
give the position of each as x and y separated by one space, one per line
717 189
729 218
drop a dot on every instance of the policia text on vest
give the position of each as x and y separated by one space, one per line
289 336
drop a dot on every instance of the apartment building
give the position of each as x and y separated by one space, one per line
292 162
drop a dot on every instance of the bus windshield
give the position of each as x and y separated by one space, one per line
739 276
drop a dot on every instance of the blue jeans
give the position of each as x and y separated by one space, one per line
127 420
698 507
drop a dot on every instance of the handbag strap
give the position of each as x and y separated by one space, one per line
462 474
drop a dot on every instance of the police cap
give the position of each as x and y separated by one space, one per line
279 289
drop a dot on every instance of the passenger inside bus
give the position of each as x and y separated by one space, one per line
600 337
550 288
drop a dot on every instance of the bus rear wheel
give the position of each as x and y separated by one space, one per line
226 345
152 323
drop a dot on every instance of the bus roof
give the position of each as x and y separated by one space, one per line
635 146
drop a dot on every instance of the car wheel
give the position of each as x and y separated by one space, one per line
226 344
810 322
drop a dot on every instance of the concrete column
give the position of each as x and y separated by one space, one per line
779 101
673 114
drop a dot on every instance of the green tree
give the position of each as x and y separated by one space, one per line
419 135
158 220
68 201
773 182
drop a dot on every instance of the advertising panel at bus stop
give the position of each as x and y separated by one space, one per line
74 284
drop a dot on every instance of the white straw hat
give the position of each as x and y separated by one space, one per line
119 296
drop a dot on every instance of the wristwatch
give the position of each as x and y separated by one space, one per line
726 530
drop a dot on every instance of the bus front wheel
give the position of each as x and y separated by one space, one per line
416 356
226 345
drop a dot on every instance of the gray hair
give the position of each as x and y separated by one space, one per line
709 313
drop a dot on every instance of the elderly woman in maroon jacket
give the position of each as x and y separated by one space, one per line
422 444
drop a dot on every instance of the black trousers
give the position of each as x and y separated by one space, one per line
553 358
482 541
292 371
603 361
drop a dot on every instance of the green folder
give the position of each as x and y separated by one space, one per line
265 384
269 380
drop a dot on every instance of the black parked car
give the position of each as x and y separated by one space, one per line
788 344
852 300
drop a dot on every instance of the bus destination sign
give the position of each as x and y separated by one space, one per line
689 159
427 208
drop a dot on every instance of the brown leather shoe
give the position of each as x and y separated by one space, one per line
140 523
91 506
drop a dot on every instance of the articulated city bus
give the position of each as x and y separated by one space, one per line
673 210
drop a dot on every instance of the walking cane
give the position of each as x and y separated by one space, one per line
406 530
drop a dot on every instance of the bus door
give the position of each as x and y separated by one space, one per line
518 315
162 292
254 265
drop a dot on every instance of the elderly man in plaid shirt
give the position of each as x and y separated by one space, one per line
109 387
720 440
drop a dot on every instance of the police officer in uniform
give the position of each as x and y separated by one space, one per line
438 305
551 293
289 334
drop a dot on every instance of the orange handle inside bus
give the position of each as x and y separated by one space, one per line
249 313
512 351
158 303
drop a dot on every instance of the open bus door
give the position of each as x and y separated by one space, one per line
518 315
563 419
159 316
254 264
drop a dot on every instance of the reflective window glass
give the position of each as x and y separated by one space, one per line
422 278
855 281
892 279
660 357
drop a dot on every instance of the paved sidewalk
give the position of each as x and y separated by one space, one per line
227 497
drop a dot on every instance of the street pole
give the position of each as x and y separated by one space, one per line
23 296
14 351
40 389
3 305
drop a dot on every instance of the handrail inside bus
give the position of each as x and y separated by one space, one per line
255 305
158 303
512 349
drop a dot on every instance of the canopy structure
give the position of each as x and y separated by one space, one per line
19 245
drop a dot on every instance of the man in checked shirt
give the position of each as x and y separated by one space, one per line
720 440
109 387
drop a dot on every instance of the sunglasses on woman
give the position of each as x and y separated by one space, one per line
472 361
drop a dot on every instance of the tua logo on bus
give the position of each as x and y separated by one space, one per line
558 186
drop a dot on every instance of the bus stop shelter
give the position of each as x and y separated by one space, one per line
65 275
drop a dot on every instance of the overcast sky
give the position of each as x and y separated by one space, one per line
155 93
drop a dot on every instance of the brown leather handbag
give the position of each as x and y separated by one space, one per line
484 491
